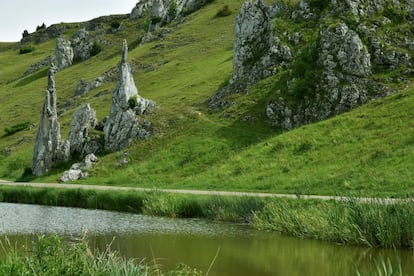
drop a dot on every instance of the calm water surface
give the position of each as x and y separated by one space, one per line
241 250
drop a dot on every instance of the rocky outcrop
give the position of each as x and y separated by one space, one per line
38 65
83 86
333 65
164 11
63 53
79 170
258 52
83 121
122 125
342 82
49 149
79 48
43 35
82 45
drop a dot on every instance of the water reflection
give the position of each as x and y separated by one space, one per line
241 250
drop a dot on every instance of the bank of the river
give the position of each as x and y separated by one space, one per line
376 223
51 256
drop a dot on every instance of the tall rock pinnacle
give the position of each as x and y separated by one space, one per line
122 125
49 149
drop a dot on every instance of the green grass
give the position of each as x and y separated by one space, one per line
373 224
55 257
376 223
366 152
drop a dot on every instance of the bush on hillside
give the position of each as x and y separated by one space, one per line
26 49
172 12
16 128
115 24
224 11
132 102
96 48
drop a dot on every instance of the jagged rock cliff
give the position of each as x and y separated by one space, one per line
326 56
122 125
49 149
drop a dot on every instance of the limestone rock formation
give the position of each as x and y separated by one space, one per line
77 170
164 11
82 45
122 125
63 53
83 120
258 52
343 82
49 149
335 63
84 86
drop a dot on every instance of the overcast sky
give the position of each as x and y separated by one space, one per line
19 15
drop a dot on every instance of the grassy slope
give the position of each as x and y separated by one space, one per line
368 151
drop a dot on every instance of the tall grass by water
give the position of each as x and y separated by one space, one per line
377 223
53 256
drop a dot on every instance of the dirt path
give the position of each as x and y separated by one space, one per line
190 192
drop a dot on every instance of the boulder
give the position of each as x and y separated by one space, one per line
72 175
77 170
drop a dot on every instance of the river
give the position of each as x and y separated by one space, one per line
240 249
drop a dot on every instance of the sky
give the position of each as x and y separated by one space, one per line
19 15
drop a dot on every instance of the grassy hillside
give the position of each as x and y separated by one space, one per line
368 151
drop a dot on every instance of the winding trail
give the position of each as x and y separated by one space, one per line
196 192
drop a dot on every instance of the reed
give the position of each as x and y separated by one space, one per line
53 256
376 223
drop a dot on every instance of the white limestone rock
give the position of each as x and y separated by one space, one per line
122 125
49 149
83 120
63 53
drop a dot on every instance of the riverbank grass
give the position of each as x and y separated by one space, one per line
377 223
53 256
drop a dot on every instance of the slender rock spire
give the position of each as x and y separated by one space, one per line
49 149
124 51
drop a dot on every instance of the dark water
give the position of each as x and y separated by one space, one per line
240 250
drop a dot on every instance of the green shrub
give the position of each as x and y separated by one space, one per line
156 19
319 4
132 102
26 49
96 48
224 11
16 128
53 256
395 14
172 12
115 25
